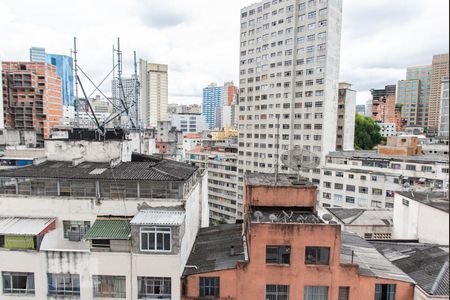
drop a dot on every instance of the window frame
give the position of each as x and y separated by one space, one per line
165 285
55 278
97 282
280 255
157 230
209 287
18 291
277 293
318 253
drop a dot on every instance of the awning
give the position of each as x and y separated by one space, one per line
24 226
159 217
109 229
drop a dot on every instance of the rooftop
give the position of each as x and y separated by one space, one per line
371 262
428 265
284 180
284 215
211 251
23 226
363 217
369 154
109 229
157 170
437 200
159 217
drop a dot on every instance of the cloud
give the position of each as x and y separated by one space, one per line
161 15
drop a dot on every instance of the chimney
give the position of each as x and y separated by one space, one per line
232 253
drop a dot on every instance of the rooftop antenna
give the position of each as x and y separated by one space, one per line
136 89
75 52
297 160
122 97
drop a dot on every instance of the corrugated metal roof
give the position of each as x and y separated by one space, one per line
23 226
109 230
159 217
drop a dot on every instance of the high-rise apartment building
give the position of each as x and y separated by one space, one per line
32 97
212 102
444 115
440 71
129 97
37 54
154 93
385 110
414 95
345 140
289 69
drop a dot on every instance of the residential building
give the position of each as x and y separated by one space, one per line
285 251
126 91
414 95
230 92
444 113
345 139
169 141
189 122
154 93
388 129
369 224
31 97
436 146
361 109
184 109
440 71
385 110
2 104
95 221
212 103
289 70
220 159
37 54
17 138
378 94
422 216
369 179
426 264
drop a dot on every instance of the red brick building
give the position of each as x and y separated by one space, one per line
284 251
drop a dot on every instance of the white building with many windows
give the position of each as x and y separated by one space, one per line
98 227
289 69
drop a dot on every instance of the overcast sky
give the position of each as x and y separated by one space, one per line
199 39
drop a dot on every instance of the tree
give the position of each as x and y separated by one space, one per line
367 133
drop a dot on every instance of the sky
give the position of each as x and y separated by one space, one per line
199 39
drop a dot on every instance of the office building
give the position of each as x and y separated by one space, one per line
154 94
345 139
32 97
128 93
440 71
285 251
444 109
37 54
96 221
361 109
289 69
212 104
189 122
414 95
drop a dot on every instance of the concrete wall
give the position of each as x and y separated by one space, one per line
281 197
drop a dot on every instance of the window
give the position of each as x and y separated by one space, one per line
210 287
75 230
411 167
344 293
350 200
154 288
338 186
18 283
64 284
363 190
317 256
351 188
316 293
385 291
277 292
427 169
109 286
280 255
156 239
377 192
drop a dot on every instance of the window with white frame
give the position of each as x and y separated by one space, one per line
18 283
316 293
156 239
64 284
277 292
109 286
154 288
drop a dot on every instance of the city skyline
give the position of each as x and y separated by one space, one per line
372 55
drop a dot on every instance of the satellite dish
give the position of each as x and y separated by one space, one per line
258 215
273 218
327 217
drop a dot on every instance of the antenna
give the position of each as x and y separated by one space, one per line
136 90
75 52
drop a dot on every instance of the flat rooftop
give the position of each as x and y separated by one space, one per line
283 215
437 200
212 250
284 180
370 154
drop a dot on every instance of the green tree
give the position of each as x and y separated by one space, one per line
367 133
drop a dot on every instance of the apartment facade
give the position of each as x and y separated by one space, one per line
289 67
369 179
414 95
32 97
98 229
126 90
444 114
154 93
189 122
212 102
440 71
345 139
285 251
220 159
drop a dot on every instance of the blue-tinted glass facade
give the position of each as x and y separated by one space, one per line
64 68
212 99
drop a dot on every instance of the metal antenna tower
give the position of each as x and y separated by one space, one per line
75 52
136 90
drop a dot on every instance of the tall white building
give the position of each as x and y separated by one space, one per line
289 68
346 118
444 114
154 93
2 112
189 123
129 96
